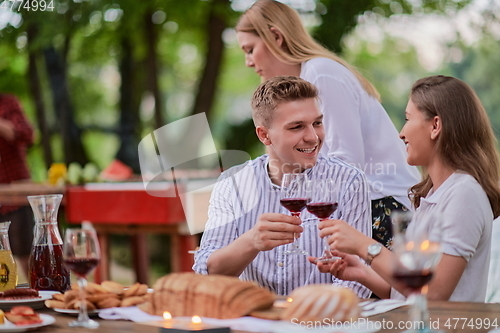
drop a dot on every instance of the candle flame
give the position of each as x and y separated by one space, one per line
196 320
425 289
167 315
410 246
289 300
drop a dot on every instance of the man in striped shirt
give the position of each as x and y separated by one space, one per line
248 231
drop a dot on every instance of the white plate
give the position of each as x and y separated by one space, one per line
75 312
35 303
10 327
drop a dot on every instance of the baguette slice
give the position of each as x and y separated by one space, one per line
320 301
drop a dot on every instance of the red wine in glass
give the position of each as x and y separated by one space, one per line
81 255
294 205
81 266
413 280
322 210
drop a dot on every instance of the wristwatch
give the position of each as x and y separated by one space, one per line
373 251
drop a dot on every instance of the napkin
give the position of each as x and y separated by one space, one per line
133 313
377 307
249 324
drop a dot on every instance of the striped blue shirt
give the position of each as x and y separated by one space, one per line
244 192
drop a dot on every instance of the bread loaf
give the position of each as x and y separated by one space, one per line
108 295
320 301
215 296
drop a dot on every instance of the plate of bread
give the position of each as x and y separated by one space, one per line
108 294
224 297
76 311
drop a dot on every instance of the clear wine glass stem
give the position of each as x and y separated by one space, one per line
83 317
295 246
326 252
82 314
419 314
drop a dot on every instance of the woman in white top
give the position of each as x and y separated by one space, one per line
448 133
358 129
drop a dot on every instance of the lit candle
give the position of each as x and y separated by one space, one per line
196 323
283 303
180 325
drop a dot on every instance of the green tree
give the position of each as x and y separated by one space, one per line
476 69
339 17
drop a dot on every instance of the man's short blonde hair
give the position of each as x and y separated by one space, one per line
279 89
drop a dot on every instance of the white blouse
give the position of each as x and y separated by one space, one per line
359 130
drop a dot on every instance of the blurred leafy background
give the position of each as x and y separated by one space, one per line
96 76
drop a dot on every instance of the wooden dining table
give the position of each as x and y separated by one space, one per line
451 316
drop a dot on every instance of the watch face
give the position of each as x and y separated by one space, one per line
374 249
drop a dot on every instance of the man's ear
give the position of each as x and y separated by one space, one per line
278 36
263 135
436 127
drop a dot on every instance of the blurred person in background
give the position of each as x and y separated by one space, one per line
16 134
358 129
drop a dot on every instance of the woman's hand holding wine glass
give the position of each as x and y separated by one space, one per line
81 255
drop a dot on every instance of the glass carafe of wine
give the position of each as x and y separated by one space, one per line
46 267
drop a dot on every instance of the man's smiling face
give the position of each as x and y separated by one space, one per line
294 135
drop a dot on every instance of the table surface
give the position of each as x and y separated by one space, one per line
453 313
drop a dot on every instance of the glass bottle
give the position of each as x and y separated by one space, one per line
8 267
46 267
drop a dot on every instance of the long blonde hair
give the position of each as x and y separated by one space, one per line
466 141
299 46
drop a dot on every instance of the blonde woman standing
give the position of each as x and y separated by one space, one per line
358 129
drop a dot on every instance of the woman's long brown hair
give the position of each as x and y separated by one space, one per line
466 141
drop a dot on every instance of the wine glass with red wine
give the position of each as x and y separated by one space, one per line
294 197
81 255
324 202
417 246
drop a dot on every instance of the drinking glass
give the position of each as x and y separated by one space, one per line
293 196
323 203
81 255
418 251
